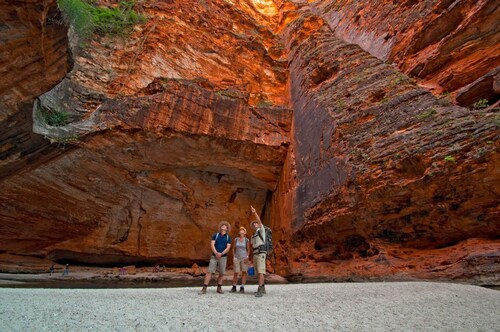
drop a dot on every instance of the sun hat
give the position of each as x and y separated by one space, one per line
251 223
243 229
224 223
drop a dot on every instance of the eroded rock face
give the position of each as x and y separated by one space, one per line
34 56
379 163
447 45
176 128
189 120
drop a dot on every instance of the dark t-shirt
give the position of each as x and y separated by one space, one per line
221 242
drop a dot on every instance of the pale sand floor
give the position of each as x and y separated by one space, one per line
395 306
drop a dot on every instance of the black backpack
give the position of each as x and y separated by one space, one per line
268 242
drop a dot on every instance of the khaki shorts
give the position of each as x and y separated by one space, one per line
259 263
240 265
214 263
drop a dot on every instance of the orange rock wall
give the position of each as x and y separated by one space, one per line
34 56
211 106
447 45
381 172
172 129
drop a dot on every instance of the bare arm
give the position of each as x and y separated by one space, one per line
256 216
212 246
228 247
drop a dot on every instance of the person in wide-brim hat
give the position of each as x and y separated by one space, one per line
225 223
259 254
220 246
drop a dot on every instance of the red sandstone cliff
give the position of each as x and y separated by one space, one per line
172 129
189 120
450 46
34 56
384 178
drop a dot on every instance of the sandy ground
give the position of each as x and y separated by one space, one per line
416 306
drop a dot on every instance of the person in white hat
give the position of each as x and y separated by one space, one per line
220 246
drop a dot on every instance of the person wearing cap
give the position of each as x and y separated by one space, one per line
259 254
241 249
220 246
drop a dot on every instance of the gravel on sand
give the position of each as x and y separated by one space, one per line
392 306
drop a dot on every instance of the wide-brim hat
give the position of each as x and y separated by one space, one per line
251 223
224 223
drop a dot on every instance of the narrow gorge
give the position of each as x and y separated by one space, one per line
366 134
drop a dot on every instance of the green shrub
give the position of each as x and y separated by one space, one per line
55 118
449 158
78 13
88 19
481 103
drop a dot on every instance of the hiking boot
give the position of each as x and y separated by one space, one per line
263 289
259 292
233 289
203 290
219 289
242 289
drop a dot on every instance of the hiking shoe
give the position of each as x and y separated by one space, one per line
242 289
233 290
203 290
219 289
263 289
259 292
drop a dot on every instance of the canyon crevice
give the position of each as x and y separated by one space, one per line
324 115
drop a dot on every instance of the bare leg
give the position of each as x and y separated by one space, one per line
219 279
235 278
261 279
208 276
243 278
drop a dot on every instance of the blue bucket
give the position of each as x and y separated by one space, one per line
251 271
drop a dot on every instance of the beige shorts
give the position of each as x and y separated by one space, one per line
259 263
214 263
240 265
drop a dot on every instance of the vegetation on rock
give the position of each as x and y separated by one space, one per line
88 19
55 118
481 103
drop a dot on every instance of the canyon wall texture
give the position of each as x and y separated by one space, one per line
34 56
382 172
170 130
318 113
449 46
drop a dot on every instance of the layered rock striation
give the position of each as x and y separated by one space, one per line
379 165
172 129
290 106
449 46
34 56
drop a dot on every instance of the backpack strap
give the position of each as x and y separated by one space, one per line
260 235
228 237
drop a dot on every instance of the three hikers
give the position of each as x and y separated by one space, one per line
245 252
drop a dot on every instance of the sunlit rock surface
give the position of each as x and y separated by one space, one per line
212 106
